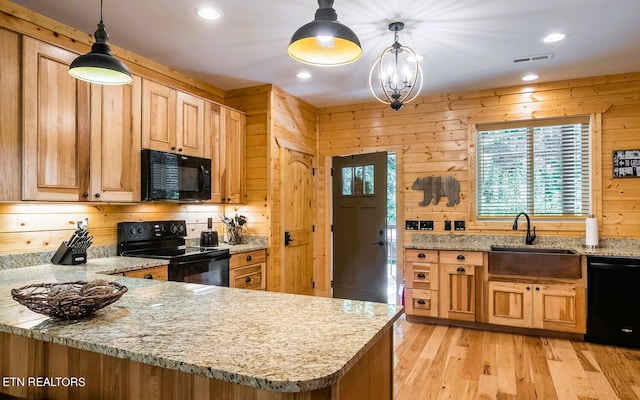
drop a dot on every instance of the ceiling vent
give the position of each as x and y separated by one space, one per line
538 57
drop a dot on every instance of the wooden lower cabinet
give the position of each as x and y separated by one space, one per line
458 292
160 273
550 306
458 287
248 270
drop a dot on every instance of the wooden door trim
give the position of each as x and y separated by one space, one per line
300 148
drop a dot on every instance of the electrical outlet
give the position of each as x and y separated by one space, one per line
426 225
447 225
411 225
458 225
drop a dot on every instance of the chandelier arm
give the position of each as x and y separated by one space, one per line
373 67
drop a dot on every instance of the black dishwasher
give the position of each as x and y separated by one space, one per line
613 301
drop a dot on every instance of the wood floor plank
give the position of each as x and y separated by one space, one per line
440 362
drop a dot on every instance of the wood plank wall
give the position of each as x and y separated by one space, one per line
431 135
28 227
294 121
272 114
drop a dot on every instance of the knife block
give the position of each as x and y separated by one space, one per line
66 256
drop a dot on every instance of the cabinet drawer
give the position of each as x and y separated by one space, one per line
422 276
248 277
418 255
160 273
461 257
421 302
247 258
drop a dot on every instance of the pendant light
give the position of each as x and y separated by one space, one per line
396 73
325 42
99 65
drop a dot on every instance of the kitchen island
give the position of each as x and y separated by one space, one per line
171 340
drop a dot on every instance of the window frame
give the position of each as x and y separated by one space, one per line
557 224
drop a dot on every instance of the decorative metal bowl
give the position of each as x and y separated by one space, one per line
68 300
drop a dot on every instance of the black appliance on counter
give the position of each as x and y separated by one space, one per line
613 315
174 177
165 240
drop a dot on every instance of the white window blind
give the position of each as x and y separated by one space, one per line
540 167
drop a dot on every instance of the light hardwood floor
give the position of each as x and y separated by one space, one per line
441 362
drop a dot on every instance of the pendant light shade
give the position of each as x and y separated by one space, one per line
325 42
396 77
99 65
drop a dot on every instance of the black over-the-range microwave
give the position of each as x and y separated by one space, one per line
174 177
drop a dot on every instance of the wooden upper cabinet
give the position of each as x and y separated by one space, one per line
55 123
190 124
172 121
115 142
10 137
225 131
213 121
232 176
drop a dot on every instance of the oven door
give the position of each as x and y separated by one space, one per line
205 271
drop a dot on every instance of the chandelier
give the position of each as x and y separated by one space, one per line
396 77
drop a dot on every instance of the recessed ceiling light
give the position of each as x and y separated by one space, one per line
530 77
303 75
554 37
208 13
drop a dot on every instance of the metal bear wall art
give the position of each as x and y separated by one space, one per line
435 187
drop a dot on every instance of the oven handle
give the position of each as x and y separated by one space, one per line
214 258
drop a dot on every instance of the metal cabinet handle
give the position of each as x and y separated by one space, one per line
248 279
537 288
421 302
148 276
248 258
97 195
421 255
460 269
460 257
528 288
421 275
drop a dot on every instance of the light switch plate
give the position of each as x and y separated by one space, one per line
459 225
447 225
411 225
426 225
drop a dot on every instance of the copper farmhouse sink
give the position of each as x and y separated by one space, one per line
535 261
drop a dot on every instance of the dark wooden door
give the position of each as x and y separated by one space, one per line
359 227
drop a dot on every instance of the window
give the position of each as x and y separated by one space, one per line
540 167
357 180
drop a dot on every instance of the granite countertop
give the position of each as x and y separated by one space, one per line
267 340
607 247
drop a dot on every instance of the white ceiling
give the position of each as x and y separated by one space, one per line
466 44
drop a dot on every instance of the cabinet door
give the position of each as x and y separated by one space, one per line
421 276
10 136
510 303
158 116
190 125
233 174
458 292
115 142
55 127
559 307
213 132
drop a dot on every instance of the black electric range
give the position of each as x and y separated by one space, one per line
166 240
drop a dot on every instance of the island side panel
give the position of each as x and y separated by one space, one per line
21 358
111 378
371 377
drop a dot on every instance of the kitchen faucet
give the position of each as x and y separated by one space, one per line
530 238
